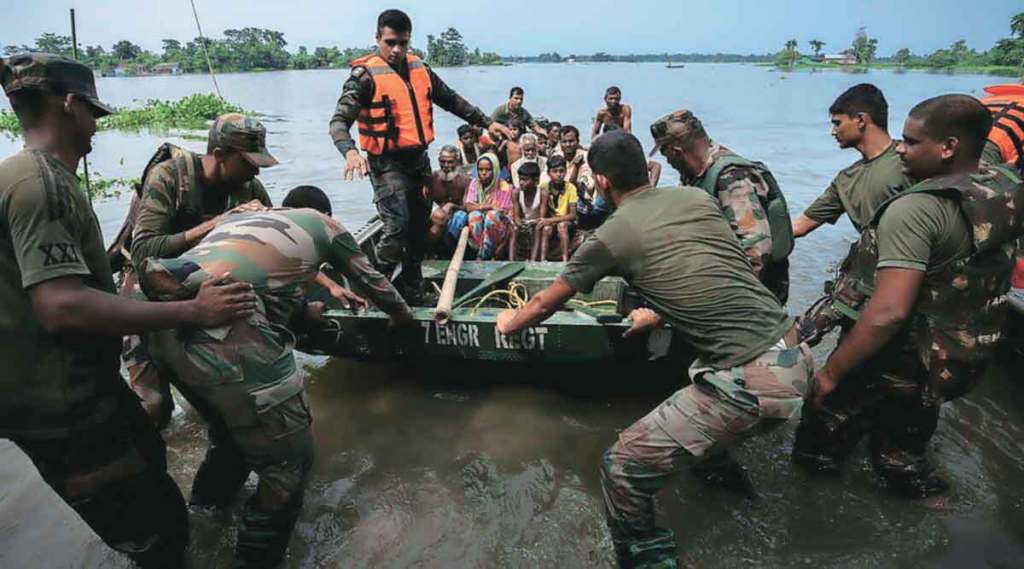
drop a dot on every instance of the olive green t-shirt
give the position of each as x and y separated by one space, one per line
675 248
923 232
49 383
859 189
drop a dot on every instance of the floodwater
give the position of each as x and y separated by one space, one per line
443 465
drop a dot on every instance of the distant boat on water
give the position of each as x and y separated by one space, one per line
671 65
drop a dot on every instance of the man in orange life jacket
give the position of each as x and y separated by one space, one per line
1005 142
390 94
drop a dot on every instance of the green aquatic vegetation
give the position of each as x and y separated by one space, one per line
191 112
102 188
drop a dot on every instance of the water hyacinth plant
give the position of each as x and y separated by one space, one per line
191 112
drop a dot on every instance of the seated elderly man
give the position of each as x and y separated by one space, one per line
529 145
447 188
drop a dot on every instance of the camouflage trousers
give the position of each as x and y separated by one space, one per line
405 213
244 382
696 424
890 400
114 475
143 378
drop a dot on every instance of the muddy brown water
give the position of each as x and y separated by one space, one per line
426 464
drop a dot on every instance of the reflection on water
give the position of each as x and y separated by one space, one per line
464 465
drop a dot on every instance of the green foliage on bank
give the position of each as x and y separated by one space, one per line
102 188
1006 57
192 112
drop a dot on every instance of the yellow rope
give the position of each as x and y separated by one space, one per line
516 296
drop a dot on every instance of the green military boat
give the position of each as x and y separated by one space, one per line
589 330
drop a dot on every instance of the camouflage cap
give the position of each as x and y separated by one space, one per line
53 74
235 131
678 125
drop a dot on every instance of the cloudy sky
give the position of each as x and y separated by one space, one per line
527 27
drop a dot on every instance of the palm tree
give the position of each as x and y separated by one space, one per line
791 51
1017 25
816 45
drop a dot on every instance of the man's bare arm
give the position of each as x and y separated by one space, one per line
895 293
541 306
66 304
627 118
803 225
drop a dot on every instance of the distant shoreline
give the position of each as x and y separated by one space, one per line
995 70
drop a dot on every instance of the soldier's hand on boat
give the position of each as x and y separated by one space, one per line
348 299
221 300
643 319
499 130
504 321
355 163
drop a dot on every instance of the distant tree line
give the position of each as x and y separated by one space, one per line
1008 52
247 49
601 56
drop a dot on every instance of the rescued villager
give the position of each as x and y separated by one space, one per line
859 119
923 290
179 201
614 115
529 144
489 205
242 378
674 247
62 399
391 94
747 191
527 203
472 145
446 189
514 109
577 170
554 137
558 216
509 151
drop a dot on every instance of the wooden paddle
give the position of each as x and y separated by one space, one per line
503 274
444 304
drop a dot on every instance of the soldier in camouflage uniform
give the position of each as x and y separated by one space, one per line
747 192
181 195
62 399
673 246
243 379
390 94
923 293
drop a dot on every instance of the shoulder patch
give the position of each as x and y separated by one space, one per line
358 72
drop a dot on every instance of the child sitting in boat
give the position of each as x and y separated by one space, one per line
527 203
558 215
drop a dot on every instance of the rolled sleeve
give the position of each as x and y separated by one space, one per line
589 264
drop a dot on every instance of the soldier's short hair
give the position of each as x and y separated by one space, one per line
863 98
618 156
959 116
516 91
396 20
308 197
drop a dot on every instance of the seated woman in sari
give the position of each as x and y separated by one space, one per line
488 205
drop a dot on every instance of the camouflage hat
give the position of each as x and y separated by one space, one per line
52 74
247 135
678 125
